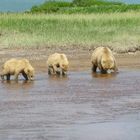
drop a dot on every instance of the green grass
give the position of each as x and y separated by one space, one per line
120 31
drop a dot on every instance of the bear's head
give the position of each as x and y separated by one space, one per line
30 73
64 68
107 63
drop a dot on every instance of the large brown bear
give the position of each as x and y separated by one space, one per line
57 64
15 67
102 57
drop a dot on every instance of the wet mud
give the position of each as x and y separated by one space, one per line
78 106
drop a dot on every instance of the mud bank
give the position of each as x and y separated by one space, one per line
79 58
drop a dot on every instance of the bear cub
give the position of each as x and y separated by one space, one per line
57 63
16 67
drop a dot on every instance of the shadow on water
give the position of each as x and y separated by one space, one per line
58 77
16 85
100 75
76 106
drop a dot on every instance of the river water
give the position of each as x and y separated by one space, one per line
78 106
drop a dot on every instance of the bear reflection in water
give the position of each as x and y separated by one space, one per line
103 75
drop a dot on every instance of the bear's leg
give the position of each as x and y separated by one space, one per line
2 76
54 69
24 75
58 72
64 73
4 73
94 67
16 76
8 77
50 70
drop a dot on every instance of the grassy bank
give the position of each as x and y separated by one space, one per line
120 31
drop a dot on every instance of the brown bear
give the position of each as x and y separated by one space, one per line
15 67
102 57
57 64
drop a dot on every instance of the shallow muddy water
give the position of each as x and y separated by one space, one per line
77 107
